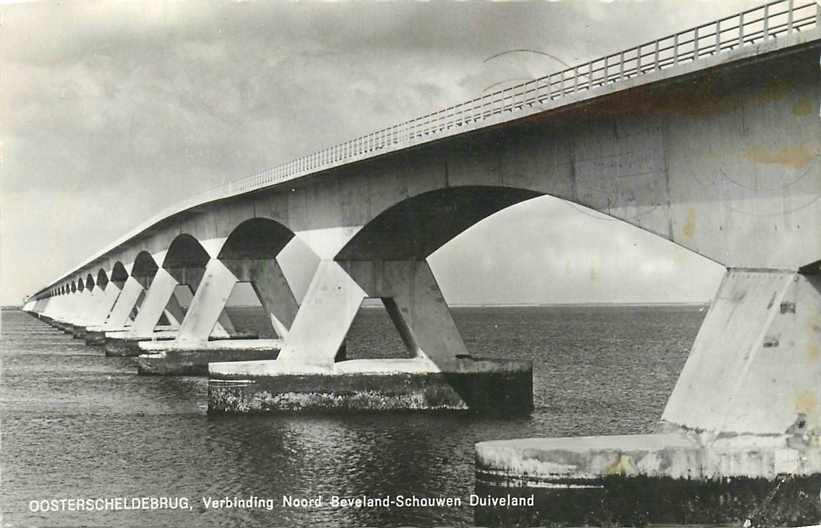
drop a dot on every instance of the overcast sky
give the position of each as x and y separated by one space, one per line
112 111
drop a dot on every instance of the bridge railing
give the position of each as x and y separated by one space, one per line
746 28
742 29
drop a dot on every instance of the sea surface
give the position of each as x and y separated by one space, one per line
77 424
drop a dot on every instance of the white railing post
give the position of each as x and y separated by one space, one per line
656 55
790 8
718 36
741 29
675 48
818 15
575 79
695 43
766 21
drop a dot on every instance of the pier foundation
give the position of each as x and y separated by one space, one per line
191 359
740 437
471 385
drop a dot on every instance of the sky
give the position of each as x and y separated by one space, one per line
111 111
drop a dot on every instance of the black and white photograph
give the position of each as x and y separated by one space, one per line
406 263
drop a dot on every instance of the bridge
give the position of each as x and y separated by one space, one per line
709 138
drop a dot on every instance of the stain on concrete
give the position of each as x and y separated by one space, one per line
623 466
812 352
774 90
771 341
796 157
689 228
806 402
802 108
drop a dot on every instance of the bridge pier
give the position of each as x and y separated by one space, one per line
309 374
72 320
190 352
118 317
158 293
745 411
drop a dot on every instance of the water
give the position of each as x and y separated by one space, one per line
78 424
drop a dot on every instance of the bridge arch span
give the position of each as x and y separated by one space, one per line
118 273
248 255
102 278
417 226
185 252
175 282
144 268
258 237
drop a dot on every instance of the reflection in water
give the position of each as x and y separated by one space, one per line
78 424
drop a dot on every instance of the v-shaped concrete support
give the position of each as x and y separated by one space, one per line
207 309
124 304
755 366
410 293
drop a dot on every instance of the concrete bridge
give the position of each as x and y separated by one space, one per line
709 138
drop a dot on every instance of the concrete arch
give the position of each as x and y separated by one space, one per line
249 255
118 273
180 274
73 286
414 228
89 281
102 278
144 268
81 284
256 238
184 252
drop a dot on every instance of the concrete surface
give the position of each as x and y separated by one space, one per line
191 359
755 366
659 479
474 385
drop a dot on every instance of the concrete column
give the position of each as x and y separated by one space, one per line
124 304
104 304
63 307
90 302
415 304
208 303
410 294
48 306
755 366
272 288
159 293
324 317
42 306
79 307
49 309
207 311
174 311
